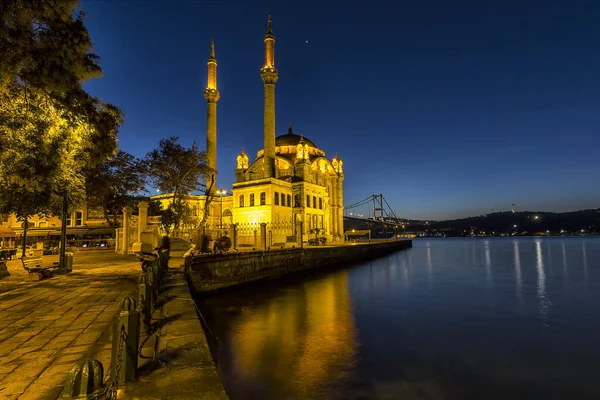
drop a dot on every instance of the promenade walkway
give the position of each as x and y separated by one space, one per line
46 326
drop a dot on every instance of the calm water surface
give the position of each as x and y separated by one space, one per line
497 318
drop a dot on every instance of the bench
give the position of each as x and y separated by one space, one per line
36 270
3 270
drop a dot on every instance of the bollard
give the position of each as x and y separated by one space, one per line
143 296
126 331
85 381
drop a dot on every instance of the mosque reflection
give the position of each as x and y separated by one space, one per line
302 334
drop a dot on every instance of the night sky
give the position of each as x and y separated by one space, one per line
448 108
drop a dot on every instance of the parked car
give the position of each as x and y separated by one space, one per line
28 251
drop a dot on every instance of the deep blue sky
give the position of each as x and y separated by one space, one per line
448 108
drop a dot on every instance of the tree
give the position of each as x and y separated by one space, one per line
51 126
114 184
52 31
178 170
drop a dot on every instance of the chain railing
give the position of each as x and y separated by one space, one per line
132 327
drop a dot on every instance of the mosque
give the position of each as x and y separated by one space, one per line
289 184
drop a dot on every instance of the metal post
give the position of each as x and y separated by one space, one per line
221 214
84 381
126 331
369 236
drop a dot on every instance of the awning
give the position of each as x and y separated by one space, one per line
102 231
76 231
41 232
6 232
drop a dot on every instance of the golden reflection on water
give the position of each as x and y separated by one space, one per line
301 337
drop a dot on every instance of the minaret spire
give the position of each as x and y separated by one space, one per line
269 76
269 25
212 95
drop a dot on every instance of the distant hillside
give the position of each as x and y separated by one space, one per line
525 221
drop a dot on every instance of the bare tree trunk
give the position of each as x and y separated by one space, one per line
63 232
25 226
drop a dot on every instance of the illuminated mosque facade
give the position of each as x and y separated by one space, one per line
289 183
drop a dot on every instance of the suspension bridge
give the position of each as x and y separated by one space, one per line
373 208
375 214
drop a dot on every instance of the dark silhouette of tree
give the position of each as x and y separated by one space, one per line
116 183
177 170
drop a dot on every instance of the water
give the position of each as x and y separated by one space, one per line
497 318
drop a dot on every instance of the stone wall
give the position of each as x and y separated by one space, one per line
208 273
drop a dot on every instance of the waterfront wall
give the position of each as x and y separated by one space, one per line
208 273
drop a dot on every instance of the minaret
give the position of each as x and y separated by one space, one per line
211 94
269 76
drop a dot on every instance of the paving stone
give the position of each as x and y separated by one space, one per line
13 387
41 393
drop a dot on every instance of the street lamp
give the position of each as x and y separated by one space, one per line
221 193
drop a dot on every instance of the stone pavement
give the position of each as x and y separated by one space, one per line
46 326
185 368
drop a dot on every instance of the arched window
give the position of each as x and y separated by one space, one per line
297 200
314 202
251 199
289 200
241 200
283 199
307 201
263 198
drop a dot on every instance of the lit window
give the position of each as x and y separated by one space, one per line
78 218
251 199
263 198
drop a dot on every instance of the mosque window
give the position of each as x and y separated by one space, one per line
241 200
263 198
283 200
308 201
276 198
320 203
289 200
251 199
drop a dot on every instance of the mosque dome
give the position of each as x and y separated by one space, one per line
291 139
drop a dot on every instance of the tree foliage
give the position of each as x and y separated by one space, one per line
45 44
115 183
51 130
178 170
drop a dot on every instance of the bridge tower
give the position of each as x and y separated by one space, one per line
378 207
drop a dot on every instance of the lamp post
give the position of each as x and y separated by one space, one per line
221 193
